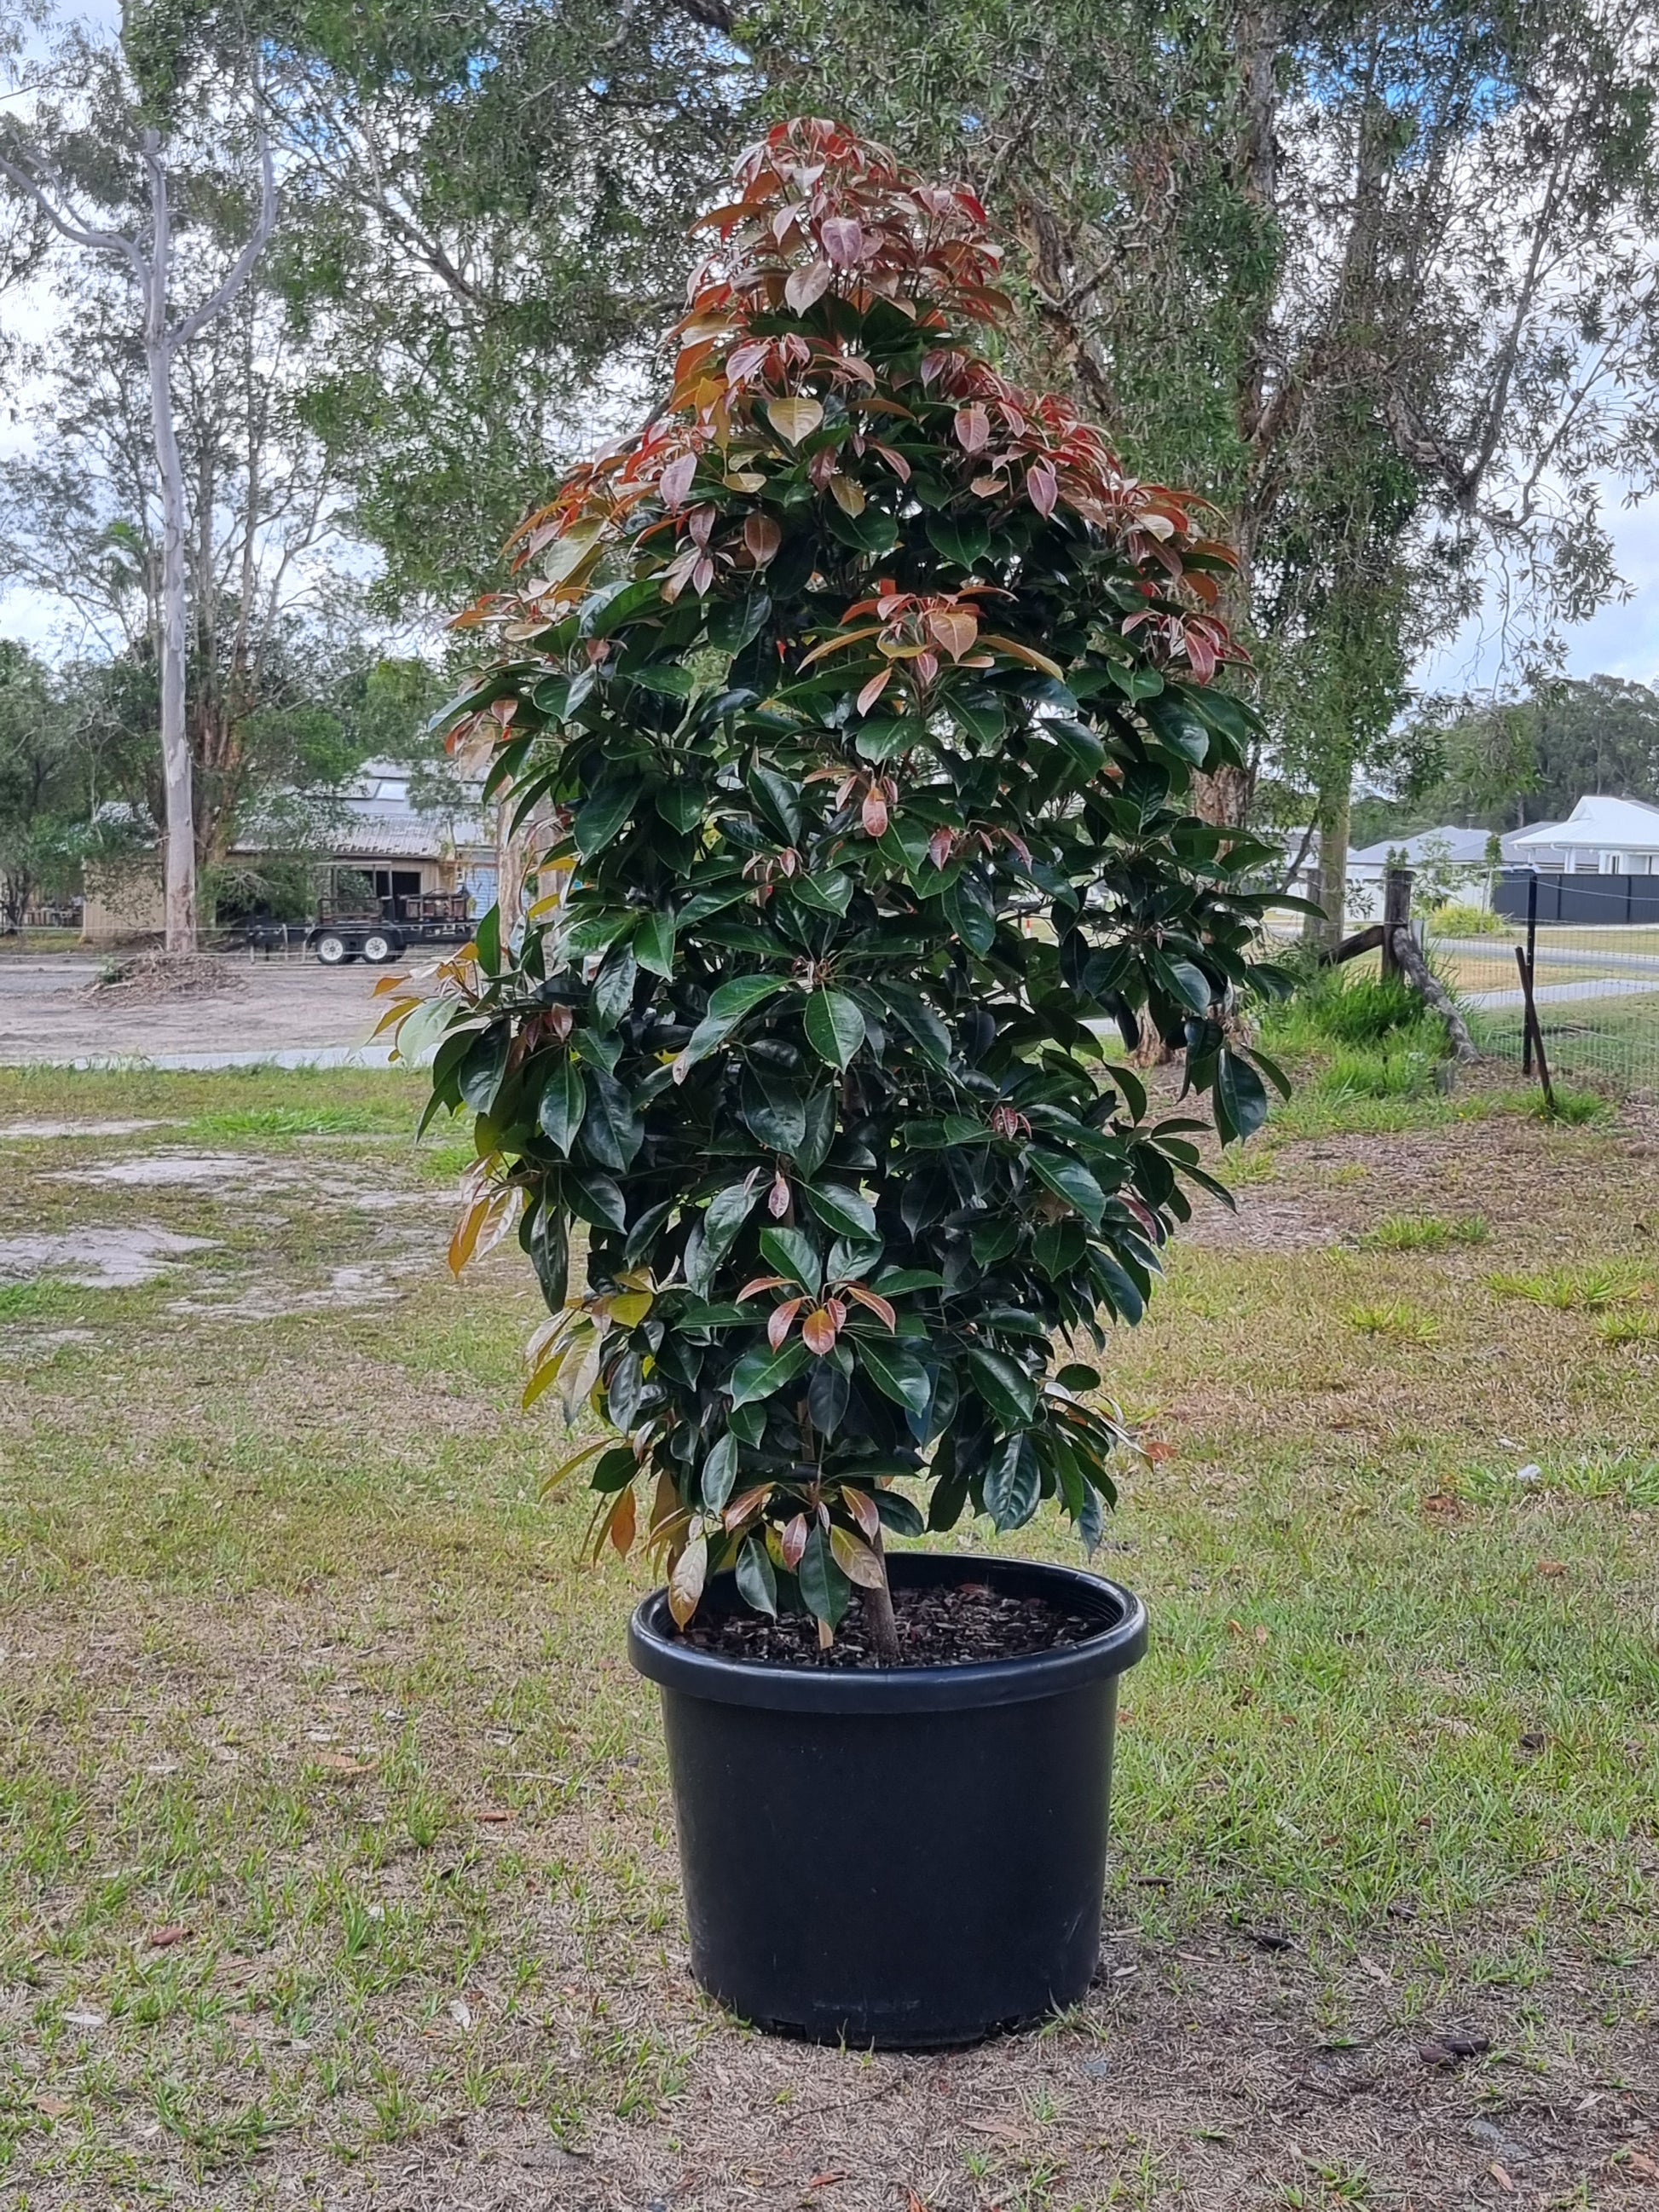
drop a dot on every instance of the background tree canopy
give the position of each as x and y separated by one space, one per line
1500 766
1373 276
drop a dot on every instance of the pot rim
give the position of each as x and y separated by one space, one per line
655 1648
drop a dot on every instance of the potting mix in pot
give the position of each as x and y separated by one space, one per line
850 714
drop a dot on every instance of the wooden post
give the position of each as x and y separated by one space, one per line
1534 1034
1396 913
1532 969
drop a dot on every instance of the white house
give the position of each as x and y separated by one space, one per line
1601 836
1466 852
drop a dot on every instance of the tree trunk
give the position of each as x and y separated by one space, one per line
1331 884
1223 800
877 1606
180 898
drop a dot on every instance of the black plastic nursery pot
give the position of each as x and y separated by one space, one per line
898 1855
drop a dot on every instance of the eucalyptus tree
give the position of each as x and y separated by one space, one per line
1293 241
490 203
134 156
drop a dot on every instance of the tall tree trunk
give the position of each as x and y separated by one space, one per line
1331 886
180 883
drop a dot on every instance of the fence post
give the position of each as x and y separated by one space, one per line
1532 967
1396 913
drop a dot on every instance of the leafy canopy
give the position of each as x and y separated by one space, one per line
852 707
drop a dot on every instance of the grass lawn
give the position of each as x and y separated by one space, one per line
336 1859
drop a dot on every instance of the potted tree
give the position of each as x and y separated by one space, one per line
851 709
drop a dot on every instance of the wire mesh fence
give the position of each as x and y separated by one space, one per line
1593 944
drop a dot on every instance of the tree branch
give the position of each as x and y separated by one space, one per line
182 333
78 233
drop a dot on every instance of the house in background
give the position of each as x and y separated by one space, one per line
1466 854
1601 836
404 853
374 845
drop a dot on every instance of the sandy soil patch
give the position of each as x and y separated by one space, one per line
98 1258
22 1132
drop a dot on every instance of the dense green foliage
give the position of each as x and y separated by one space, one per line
852 706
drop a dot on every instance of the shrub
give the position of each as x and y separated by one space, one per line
855 704
1458 919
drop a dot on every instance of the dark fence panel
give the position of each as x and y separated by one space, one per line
1580 901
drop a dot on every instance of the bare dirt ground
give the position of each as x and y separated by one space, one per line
46 1013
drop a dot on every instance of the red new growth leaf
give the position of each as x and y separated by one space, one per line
956 628
675 479
878 1306
808 284
862 1507
778 1327
973 428
843 241
762 536
819 1330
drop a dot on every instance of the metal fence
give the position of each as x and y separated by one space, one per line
1592 945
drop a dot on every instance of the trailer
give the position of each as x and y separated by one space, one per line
401 925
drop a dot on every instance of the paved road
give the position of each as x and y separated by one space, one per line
275 1013
1556 994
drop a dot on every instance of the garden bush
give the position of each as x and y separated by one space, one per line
852 709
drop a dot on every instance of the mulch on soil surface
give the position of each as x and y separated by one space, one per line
951 1626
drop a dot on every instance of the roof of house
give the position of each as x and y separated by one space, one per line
1597 821
1463 847
372 819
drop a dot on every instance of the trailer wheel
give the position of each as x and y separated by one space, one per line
332 950
379 948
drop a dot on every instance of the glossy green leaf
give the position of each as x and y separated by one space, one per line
792 1252
757 1585
1013 1485
843 1212
825 1590
834 1027
612 1131
964 542
593 1197
762 1371
1004 1386
1069 1179
563 1101
719 1473
653 944
602 815
896 1373
1241 1092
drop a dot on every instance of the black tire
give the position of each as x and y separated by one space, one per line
331 949
379 947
